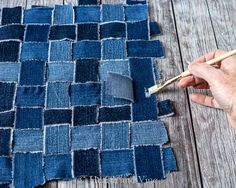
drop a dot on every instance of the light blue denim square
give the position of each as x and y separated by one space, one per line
60 71
9 72
38 15
136 12
112 12
61 51
113 49
87 14
63 14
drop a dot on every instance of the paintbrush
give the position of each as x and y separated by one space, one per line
158 87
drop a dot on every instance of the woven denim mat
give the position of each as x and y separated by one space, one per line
72 98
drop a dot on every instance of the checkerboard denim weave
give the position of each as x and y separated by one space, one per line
72 98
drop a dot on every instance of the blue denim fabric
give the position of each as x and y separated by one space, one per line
86 70
34 51
113 29
148 162
145 48
12 68
29 118
58 166
32 73
154 29
84 137
113 49
9 51
134 2
136 12
59 32
142 75
88 2
63 14
87 31
120 86
87 49
87 14
112 12
59 116
6 169
11 15
7 91
27 140
7 119
138 30
57 139
28 170
60 71
111 114
115 135
30 96
58 95
85 115
37 33
61 51
165 108
38 15
117 163
148 133
169 160
10 32
5 142
86 163
85 94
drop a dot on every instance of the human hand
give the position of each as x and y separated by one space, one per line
220 79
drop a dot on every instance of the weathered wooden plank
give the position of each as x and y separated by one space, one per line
50 3
215 140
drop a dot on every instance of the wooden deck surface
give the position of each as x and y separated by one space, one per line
204 144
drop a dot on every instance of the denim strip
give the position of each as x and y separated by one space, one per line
113 49
37 33
9 51
134 32
169 160
5 142
58 167
7 91
84 137
6 170
136 12
27 140
148 133
112 12
61 51
12 68
88 2
87 31
7 119
10 32
63 14
165 108
134 2
57 116
154 29
57 139
60 72
115 135
38 15
113 30
87 14
59 32
11 15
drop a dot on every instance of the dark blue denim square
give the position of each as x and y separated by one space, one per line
112 12
134 32
37 33
38 15
114 30
87 31
7 91
117 163
60 72
63 14
85 115
30 96
27 140
29 118
6 170
88 2
11 15
34 51
57 139
59 32
113 49
87 50
86 163
9 51
58 167
86 70
28 170
115 135
136 12
61 51
148 162
108 114
142 74
10 32
165 108
59 116
135 2
7 119
154 29
145 49
32 73
87 14
5 142
85 94
169 160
